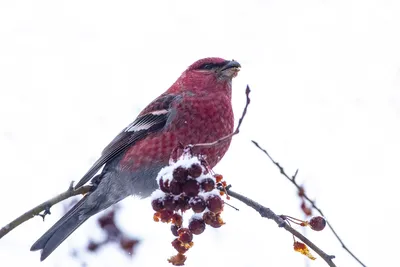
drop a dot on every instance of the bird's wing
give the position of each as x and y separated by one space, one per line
152 119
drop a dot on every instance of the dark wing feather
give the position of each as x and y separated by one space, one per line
145 124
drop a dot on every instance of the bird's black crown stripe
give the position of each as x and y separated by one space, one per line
210 66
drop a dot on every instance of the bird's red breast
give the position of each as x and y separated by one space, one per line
197 120
201 113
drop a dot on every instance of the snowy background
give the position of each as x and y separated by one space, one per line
325 79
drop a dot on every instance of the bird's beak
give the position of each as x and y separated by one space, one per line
230 69
231 64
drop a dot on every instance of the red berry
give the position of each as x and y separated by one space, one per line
157 204
166 215
177 220
92 246
191 188
195 170
174 230
128 245
164 185
177 260
208 184
107 223
175 187
197 226
179 246
185 235
180 174
169 202
107 220
212 219
215 203
317 223
183 203
198 204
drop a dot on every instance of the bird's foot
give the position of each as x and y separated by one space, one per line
45 212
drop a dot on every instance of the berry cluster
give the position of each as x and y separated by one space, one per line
187 185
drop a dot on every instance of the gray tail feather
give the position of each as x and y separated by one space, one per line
61 230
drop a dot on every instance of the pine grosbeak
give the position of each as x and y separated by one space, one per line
195 109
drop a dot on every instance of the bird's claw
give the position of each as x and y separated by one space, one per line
45 212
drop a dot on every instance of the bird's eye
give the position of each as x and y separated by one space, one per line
207 66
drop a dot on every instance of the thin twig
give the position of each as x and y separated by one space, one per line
228 137
269 214
293 181
45 206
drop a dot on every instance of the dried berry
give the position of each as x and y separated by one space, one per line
195 170
198 204
215 203
107 223
180 174
307 210
209 217
317 223
218 177
169 202
191 188
177 260
156 216
174 230
157 204
107 220
179 246
303 249
197 226
185 235
166 215
177 220
208 185
92 246
213 219
128 244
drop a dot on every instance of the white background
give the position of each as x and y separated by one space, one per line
325 79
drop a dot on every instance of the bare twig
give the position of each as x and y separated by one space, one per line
269 214
299 188
45 206
225 138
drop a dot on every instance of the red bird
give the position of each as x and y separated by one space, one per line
195 109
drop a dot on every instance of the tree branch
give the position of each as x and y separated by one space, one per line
299 188
269 214
45 206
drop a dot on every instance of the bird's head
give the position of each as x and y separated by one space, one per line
208 74
215 67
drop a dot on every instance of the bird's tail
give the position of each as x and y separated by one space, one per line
62 229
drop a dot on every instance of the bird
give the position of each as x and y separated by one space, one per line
197 108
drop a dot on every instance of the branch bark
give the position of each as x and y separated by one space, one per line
269 214
45 206
294 182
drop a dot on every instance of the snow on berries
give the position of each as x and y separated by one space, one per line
187 185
